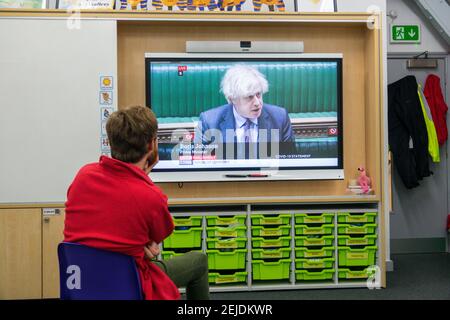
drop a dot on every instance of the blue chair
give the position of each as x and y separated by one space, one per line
87 273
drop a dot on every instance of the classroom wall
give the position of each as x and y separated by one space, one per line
49 103
409 13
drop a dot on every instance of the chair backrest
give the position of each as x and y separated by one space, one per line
91 274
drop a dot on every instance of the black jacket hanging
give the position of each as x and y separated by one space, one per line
406 122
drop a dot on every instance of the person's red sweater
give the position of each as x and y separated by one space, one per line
113 205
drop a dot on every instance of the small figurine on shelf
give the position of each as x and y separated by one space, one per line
360 185
363 180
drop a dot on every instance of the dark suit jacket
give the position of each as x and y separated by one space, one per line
222 119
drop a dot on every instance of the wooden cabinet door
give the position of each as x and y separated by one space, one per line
52 235
20 254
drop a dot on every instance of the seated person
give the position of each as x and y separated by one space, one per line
114 205
246 121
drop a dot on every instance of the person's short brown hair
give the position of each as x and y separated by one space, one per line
129 132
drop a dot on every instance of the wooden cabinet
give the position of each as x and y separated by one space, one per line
20 254
28 253
52 235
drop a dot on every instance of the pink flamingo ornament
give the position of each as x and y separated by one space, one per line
363 180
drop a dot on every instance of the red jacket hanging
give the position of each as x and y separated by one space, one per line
113 205
438 107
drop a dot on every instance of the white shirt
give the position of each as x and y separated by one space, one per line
239 122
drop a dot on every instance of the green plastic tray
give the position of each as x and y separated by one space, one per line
367 240
271 270
309 275
350 217
277 253
357 257
271 243
281 219
354 274
307 218
260 231
314 241
314 253
167 254
218 260
232 243
226 220
357 229
320 263
302 230
190 238
217 278
188 221
232 231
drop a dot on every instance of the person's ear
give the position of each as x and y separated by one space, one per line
152 144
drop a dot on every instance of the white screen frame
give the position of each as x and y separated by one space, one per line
267 174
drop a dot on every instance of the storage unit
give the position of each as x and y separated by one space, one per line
271 246
357 244
226 242
314 246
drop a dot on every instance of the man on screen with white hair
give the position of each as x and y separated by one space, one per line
246 122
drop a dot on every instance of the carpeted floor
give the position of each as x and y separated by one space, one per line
416 276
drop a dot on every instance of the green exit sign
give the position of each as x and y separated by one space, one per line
405 34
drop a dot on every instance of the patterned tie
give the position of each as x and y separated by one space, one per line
248 125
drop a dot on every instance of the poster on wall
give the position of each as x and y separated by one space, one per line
209 5
316 5
23 4
84 4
